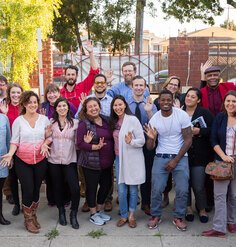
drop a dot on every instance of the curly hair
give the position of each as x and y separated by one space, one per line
83 113
24 100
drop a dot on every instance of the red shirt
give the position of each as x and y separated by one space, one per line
13 113
81 87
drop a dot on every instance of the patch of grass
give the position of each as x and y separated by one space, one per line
157 234
96 234
52 234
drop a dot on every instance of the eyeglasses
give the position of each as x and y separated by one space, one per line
173 85
99 82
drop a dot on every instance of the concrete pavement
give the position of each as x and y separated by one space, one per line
166 235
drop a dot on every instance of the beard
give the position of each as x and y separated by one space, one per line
70 82
101 91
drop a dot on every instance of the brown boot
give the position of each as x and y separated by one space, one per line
29 222
34 209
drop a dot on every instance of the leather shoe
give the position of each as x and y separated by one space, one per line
189 217
146 209
231 228
108 206
213 233
85 207
132 222
16 210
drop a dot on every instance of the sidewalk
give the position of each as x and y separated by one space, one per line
166 235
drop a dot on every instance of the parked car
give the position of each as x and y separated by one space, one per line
160 78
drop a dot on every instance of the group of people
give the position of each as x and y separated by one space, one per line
156 146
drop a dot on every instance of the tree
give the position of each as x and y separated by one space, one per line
19 20
114 30
229 25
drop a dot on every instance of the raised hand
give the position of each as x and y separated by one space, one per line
149 104
109 76
4 107
128 137
42 111
89 46
150 132
101 143
88 137
82 97
45 150
204 66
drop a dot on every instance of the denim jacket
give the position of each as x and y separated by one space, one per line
5 142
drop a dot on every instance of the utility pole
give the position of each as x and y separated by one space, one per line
140 4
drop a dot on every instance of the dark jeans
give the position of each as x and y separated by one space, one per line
145 188
59 174
197 183
93 178
2 180
31 177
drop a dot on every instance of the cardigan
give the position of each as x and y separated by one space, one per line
131 158
200 153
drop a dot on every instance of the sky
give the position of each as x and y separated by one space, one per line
169 28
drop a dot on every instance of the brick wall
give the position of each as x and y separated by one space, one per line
47 66
178 58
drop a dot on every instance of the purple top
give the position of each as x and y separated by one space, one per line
51 110
106 153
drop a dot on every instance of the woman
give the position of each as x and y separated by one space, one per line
223 139
200 153
96 157
130 167
29 142
4 148
172 84
11 109
62 160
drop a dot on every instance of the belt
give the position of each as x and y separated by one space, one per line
166 156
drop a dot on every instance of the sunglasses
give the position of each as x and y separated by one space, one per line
99 82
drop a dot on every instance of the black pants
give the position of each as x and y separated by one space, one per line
31 177
14 183
145 188
93 178
2 180
61 173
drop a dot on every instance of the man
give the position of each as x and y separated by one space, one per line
172 127
125 88
71 90
100 88
213 93
3 87
143 108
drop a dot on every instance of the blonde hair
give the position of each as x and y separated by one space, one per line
169 79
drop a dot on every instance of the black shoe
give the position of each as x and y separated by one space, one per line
62 216
189 217
16 210
73 219
10 199
203 218
3 221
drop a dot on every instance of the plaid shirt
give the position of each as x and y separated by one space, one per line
230 141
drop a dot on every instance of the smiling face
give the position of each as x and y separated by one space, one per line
213 79
93 109
52 96
138 86
166 102
100 85
15 94
62 109
128 73
32 105
230 104
191 99
119 107
173 86
71 77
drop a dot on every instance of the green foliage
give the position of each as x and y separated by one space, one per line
229 25
157 234
96 233
19 20
52 234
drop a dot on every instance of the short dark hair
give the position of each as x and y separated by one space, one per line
197 90
137 77
129 63
165 91
72 67
8 98
25 98
100 75
52 87
3 79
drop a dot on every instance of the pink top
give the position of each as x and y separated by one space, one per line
63 149
29 140
116 136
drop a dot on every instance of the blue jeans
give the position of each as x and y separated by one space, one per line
159 180
123 193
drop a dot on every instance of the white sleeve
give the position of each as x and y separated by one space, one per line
138 135
15 139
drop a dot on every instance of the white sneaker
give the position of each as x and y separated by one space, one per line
97 220
105 217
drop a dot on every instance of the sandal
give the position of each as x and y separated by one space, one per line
132 222
121 222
